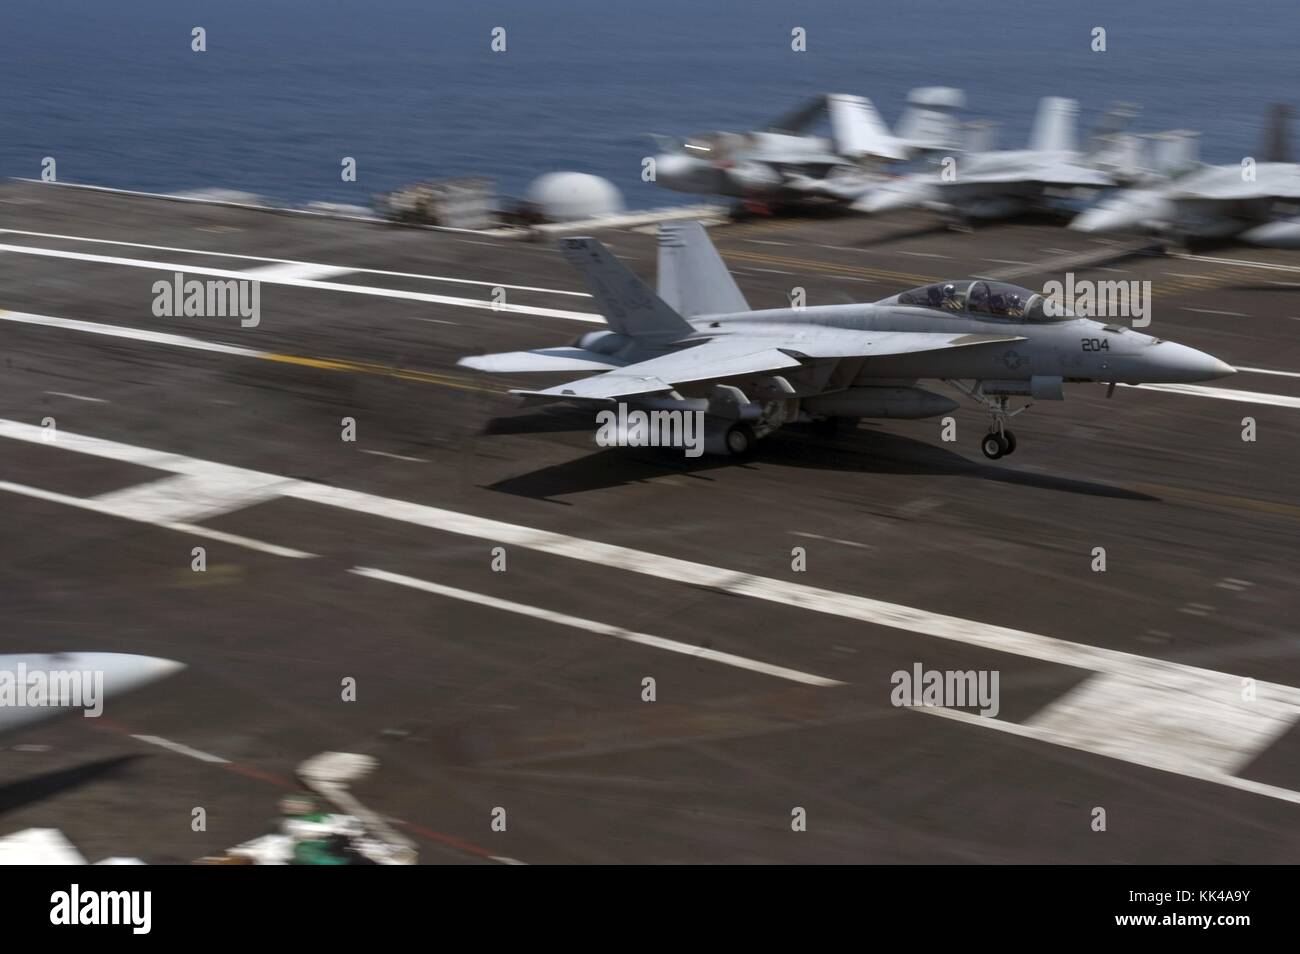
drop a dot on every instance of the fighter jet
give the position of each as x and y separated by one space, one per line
697 346
1254 202
38 687
1002 183
785 165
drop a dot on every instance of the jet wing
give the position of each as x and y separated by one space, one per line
857 344
715 359
744 354
543 359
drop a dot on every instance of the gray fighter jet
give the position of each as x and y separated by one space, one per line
697 346
1256 203
1002 183
784 164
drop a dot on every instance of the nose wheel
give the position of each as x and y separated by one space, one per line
999 441
997 444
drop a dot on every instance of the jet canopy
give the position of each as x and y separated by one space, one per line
983 298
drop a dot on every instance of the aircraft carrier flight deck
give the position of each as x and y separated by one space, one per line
475 594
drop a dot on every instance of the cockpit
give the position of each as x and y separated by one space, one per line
980 298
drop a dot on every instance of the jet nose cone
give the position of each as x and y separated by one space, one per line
126 671
1175 363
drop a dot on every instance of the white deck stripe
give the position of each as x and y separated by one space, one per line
309 283
188 497
1193 729
290 261
1223 394
1276 266
601 629
1135 757
391 456
1285 374
135 334
181 749
79 397
178 526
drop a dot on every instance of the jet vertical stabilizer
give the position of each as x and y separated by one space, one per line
1277 136
628 305
1054 126
858 130
692 277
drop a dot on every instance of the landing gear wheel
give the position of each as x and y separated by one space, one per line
740 440
1010 440
992 446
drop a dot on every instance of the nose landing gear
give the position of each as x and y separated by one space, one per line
999 441
998 444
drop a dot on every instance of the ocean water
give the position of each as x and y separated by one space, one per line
412 90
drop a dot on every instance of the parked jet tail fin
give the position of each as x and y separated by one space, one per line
857 129
1277 137
1054 126
629 306
929 121
692 277
1115 120
1174 152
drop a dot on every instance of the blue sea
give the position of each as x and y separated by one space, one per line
412 90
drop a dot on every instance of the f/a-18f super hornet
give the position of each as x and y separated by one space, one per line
1254 202
697 346
1001 183
784 164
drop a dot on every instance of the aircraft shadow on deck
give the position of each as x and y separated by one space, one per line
861 451
38 788
552 420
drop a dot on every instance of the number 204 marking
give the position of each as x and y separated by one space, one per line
1095 344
